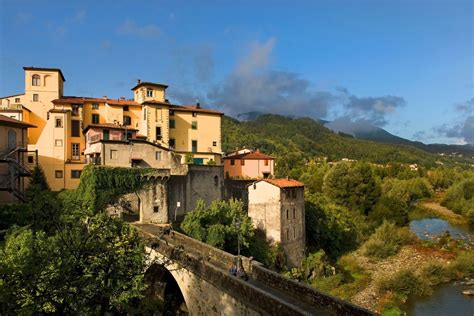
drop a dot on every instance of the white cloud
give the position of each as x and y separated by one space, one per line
131 28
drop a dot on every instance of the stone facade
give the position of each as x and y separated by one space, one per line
276 206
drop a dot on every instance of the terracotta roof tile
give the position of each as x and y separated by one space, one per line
154 84
194 108
255 155
82 100
284 183
110 125
5 120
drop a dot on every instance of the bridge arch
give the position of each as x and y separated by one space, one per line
164 291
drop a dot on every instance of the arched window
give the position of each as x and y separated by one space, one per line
35 81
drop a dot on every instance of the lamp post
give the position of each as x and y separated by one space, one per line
237 225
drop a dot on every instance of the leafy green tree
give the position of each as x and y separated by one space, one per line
352 185
331 227
91 266
313 176
216 224
460 198
389 208
407 190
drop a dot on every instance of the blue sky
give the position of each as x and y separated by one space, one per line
406 66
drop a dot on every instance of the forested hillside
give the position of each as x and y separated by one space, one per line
295 141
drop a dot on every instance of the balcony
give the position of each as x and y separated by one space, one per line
99 137
12 106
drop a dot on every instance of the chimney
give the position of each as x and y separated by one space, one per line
104 97
198 105
139 81
122 98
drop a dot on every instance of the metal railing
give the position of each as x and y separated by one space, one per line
12 106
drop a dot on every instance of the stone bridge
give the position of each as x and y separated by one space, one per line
199 274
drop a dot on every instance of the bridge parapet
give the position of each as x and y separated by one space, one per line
267 292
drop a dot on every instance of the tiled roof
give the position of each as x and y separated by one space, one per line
5 120
46 69
81 100
193 108
255 155
109 125
284 183
150 84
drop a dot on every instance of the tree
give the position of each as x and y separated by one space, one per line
331 227
215 224
391 209
94 266
352 185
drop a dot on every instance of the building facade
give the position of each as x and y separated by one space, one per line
248 164
191 132
276 206
15 166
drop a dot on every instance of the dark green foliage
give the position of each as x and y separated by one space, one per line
443 178
460 198
88 267
390 208
387 240
37 183
216 224
313 176
103 185
331 227
70 257
352 185
272 256
407 190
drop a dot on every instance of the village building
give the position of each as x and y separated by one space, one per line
248 164
15 164
276 206
70 127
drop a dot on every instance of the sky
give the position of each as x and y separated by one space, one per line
404 65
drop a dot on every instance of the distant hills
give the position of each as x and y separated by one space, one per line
296 140
362 130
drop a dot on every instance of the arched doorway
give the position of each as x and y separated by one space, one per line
163 295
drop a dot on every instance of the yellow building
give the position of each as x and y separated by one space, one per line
190 131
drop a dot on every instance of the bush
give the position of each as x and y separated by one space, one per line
462 267
435 273
460 198
391 209
407 190
405 282
387 240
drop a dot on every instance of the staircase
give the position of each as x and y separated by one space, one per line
11 182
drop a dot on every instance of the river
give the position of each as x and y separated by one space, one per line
447 299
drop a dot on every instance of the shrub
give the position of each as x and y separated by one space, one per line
463 266
434 273
391 209
460 198
387 240
405 282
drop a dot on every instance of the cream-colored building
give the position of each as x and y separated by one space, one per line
191 132
276 206
15 165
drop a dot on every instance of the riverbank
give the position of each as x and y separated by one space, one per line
433 208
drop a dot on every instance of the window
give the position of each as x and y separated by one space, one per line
75 128
127 120
288 234
31 159
194 114
293 193
158 155
149 93
129 135
95 118
75 151
194 124
75 110
113 154
172 143
95 106
158 133
125 108
265 162
58 143
17 100
156 209
214 143
194 146
105 134
287 214
294 213
171 112
242 162
172 124
59 174
294 233
144 113
76 174
35 97
232 162
216 181
35 80
59 122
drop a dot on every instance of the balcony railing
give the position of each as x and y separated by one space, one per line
12 106
100 137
